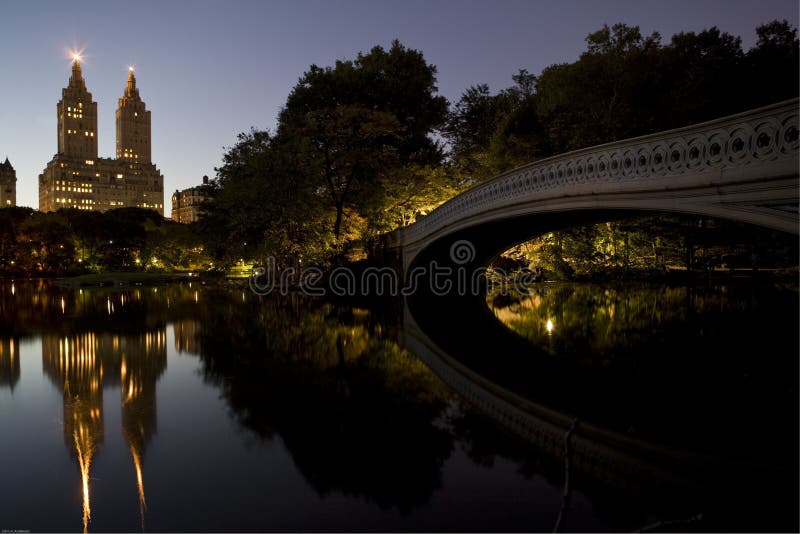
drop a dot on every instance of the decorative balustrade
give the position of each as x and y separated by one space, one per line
751 138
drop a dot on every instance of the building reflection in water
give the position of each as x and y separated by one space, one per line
186 336
81 366
9 362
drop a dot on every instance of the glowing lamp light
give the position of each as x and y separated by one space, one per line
130 68
549 326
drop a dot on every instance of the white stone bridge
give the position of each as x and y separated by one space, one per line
741 168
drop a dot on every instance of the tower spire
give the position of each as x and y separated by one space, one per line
77 74
77 116
130 88
133 124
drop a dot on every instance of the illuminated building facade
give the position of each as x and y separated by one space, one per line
77 178
186 204
8 185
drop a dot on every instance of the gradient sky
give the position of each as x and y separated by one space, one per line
209 70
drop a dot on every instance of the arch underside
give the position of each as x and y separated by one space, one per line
772 204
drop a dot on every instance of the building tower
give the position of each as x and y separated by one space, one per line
133 125
8 185
77 118
76 178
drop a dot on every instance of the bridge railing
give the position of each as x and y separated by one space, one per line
761 135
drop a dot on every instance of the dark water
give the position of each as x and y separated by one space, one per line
184 407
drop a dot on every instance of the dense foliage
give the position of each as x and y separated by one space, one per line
352 156
355 151
623 85
652 246
75 242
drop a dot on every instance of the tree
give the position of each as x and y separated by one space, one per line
702 72
349 151
356 124
50 247
521 137
773 65
398 81
472 124
262 205
11 243
480 120
412 191
608 94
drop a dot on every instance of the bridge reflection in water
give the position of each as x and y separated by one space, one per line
573 382
358 420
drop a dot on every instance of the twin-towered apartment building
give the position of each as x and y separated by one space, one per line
77 178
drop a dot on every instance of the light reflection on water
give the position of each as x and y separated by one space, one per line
189 408
236 415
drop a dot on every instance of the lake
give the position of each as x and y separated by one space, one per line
577 407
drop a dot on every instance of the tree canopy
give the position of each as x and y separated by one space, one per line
357 148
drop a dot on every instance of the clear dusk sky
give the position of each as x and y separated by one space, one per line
209 70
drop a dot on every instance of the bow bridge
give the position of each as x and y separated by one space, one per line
742 168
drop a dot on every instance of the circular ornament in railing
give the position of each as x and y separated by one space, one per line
580 170
629 163
603 164
715 146
695 155
766 139
658 158
788 137
643 161
677 156
614 165
739 145
569 173
526 180
538 178
591 167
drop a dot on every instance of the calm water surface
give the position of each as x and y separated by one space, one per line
183 407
